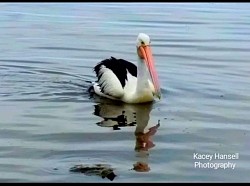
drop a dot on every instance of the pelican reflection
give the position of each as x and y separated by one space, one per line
118 115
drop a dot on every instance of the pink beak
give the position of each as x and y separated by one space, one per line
148 58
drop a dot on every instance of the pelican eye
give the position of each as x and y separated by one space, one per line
142 43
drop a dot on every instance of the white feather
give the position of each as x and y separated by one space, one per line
110 82
130 85
151 86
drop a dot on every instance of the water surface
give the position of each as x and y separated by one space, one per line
49 122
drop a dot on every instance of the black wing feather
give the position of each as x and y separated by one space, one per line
119 67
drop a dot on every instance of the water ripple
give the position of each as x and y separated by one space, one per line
50 122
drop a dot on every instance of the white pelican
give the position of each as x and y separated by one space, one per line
119 79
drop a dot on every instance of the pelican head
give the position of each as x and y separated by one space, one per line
145 54
142 39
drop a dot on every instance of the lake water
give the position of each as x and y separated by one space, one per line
49 122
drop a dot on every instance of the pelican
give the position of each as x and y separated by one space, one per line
119 79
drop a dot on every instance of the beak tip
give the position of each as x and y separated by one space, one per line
158 95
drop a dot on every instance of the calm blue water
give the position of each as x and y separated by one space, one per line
49 123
